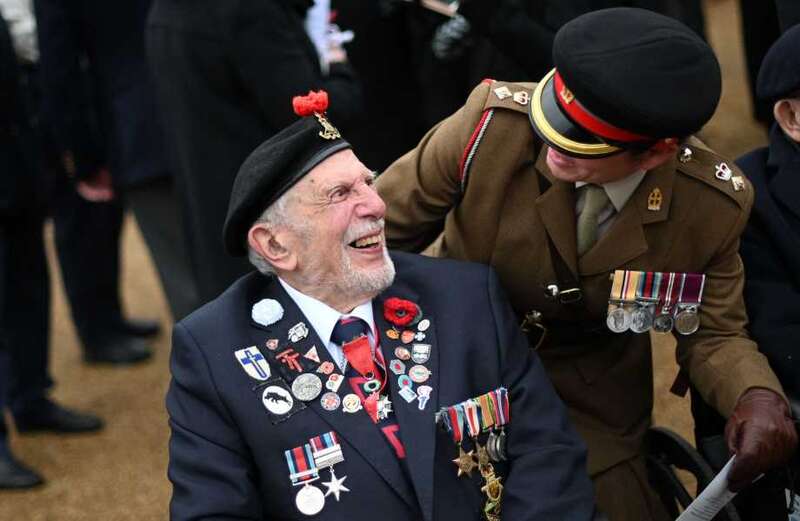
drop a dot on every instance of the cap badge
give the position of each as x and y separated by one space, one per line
566 95
316 103
654 200
502 92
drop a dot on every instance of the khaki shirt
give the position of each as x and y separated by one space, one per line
471 187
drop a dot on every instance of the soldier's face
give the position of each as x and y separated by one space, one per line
596 171
338 234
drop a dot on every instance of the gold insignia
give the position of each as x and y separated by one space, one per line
521 97
738 183
723 172
502 92
328 130
686 155
654 200
566 95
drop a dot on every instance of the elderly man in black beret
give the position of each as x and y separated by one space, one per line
343 382
605 220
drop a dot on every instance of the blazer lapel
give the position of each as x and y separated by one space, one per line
356 428
556 207
626 239
417 427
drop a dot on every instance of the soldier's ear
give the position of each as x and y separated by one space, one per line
787 114
658 154
271 243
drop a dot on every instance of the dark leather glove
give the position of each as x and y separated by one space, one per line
761 434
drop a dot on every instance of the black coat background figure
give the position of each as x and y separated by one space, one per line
99 103
226 73
770 249
227 457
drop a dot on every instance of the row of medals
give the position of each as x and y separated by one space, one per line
640 316
310 500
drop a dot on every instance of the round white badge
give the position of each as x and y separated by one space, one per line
424 324
419 373
310 500
330 401
306 387
351 403
277 400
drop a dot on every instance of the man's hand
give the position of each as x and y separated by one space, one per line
761 434
98 189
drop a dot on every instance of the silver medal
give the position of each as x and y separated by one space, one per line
642 319
619 320
687 321
306 387
309 500
663 323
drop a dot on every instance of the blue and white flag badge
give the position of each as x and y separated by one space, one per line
253 362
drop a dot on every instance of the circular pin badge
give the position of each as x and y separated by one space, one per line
330 401
310 500
419 374
372 386
407 336
619 320
641 320
272 344
351 403
424 324
663 323
306 387
277 400
687 322
404 381
392 333
402 353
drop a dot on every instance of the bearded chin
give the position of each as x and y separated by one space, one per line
369 283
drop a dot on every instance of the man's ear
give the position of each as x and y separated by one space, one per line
787 114
658 154
272 244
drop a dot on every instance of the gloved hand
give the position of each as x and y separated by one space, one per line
761 434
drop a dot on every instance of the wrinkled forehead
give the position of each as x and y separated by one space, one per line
342 168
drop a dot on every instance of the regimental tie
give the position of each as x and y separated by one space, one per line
594 201
367 375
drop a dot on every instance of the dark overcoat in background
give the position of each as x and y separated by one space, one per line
226 72
770 249
227 456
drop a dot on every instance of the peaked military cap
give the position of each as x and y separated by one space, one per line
277 165
624 78
779 75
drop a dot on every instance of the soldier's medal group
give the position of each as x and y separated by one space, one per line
645 300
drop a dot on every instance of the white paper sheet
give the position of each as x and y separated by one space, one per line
711 500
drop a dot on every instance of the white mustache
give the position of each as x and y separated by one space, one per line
363 229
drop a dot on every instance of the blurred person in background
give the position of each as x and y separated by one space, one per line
223 72
24 282
99 110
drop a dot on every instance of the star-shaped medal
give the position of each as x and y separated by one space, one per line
465 461
335 486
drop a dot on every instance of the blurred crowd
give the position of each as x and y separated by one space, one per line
150 107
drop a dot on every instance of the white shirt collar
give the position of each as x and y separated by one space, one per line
323 318
621 190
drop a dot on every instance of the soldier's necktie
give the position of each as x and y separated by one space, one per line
594 201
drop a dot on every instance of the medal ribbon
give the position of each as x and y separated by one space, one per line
473 417
665 299
487 411
326 450
631 286
302 468
455 415
693 288
616 290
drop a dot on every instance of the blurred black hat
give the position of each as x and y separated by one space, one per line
624 78
779 75
277 164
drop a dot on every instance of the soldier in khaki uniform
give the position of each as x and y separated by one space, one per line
557 185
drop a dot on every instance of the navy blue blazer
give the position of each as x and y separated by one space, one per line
770 250
227 457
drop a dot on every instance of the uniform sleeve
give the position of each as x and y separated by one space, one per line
272 56
773 305
421 187
720 358
211 469
548 478
65 102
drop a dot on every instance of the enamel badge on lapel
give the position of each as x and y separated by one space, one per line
420 353
289 358
253 362
312 354
306 387
298 332
267 311
277 400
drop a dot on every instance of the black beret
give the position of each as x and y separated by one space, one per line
272 169
624 77
779 75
